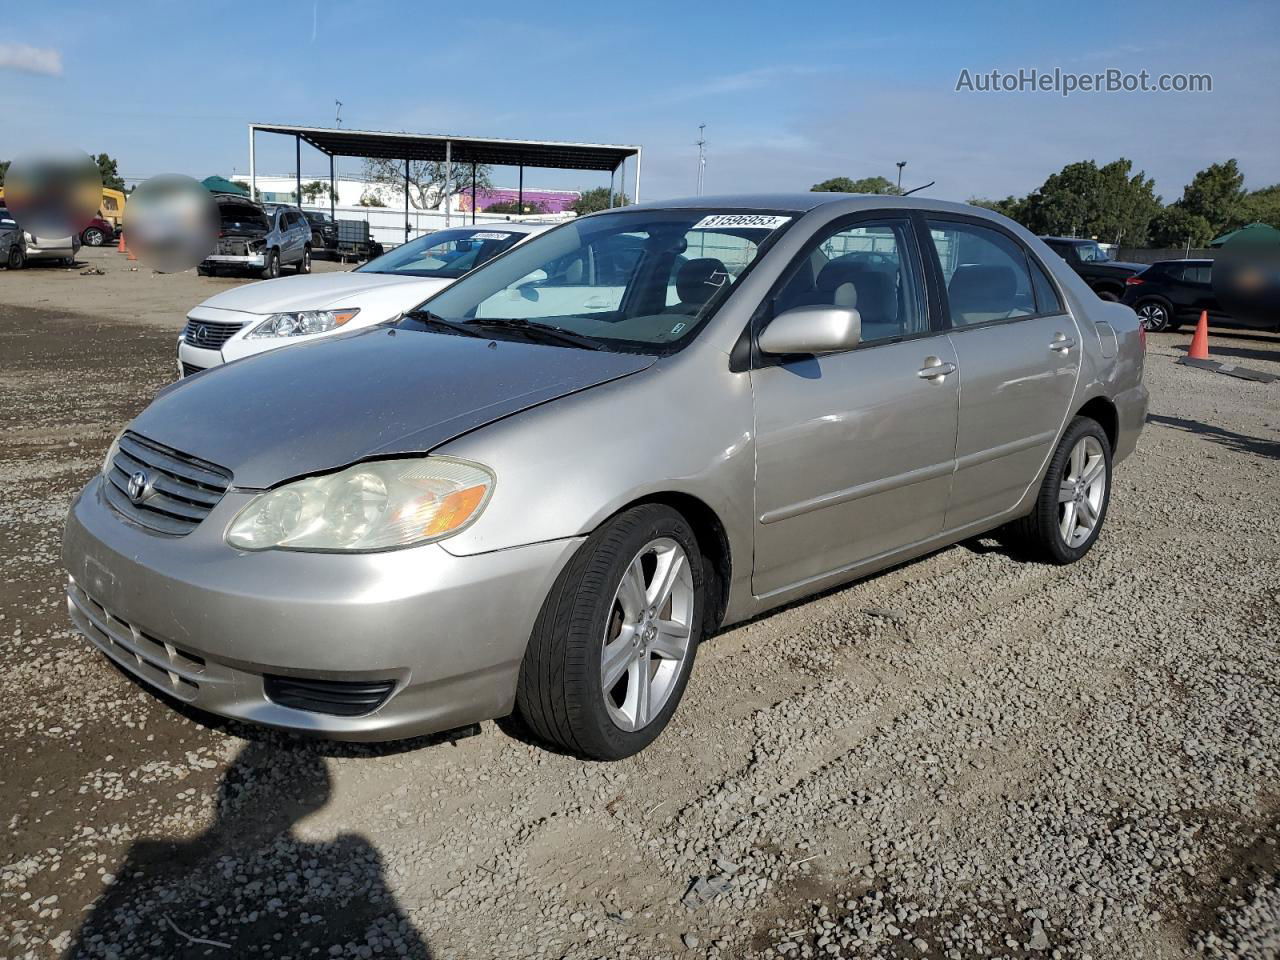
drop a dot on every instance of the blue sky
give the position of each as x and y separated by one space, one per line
791 94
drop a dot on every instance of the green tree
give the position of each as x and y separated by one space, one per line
1012 207
1262 206
879 185
426 180
597 199
315 190
110 173
371 199
1176 227
1083 199
1217 194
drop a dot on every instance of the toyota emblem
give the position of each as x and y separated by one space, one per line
139 487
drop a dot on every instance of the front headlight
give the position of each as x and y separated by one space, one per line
371 506
111 454
300 324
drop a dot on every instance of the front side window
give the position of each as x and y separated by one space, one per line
985 273
868 267
448 253
639 280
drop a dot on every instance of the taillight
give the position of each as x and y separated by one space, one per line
1133 281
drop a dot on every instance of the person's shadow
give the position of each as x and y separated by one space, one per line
248 885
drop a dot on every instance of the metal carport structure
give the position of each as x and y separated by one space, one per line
449 150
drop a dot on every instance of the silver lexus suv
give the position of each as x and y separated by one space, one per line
543 488
258 240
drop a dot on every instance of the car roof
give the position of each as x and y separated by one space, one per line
806 202
1068 240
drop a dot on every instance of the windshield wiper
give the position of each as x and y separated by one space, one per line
435 320
542 330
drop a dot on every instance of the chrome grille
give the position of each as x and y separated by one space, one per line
208 334
178 490
157 662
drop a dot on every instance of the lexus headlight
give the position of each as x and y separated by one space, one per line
371 506
300 324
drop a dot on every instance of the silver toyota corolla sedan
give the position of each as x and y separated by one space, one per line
538 491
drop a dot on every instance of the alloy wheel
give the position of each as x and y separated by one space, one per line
1082 492
1154 317
647 635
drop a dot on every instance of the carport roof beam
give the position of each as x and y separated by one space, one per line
378 145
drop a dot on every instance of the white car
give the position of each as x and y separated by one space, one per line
276 313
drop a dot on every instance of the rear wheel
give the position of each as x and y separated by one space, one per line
1108 295
304 265
614 644
1072 504
93 237
1155 315
271 269
204 271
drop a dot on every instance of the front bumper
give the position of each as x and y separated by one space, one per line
198 620
235 260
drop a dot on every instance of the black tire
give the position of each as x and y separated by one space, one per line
17 258
1108 295
1155 314
204 271
304 265
1040 532
93 237
271 269
560 694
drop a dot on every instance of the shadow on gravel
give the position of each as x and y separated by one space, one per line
248 885
1239 442
1217 351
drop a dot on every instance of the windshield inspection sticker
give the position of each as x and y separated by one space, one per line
490 236
760 221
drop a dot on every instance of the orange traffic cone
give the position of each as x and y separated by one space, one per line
121 247
1200 342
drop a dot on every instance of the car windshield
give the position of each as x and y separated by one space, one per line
448 253
641 280
1092 253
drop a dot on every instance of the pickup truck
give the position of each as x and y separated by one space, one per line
1104 276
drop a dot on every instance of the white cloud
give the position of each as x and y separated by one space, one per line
41 60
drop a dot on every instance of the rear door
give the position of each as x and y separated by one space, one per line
1019 357
854 450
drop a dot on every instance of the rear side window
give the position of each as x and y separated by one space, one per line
985 273
1047 299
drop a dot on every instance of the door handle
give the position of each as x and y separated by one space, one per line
935 370
1061 343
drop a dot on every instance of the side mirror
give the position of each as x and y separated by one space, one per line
815 329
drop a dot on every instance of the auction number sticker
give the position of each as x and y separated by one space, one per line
491 236
755 221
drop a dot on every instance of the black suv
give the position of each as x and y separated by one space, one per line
1105 276
1170 293
324 231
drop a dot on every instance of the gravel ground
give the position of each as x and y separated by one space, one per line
970 755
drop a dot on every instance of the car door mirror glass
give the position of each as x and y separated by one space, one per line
812 330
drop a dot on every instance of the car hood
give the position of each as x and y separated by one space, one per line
379 392
317 291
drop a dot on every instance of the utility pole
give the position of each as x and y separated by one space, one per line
702 156
333 169
901 164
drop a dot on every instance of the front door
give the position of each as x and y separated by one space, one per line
855 450
1019 356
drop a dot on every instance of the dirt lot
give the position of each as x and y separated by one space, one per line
970 755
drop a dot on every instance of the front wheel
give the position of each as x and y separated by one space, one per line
614 644
17 257
1072 504
271 269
